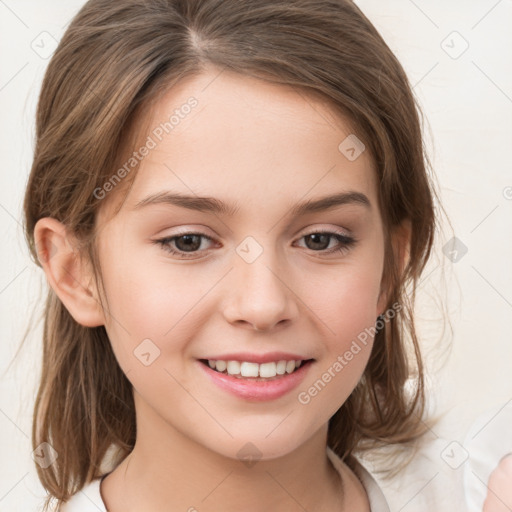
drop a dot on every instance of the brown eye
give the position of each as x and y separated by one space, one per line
188 243
320 241
184 244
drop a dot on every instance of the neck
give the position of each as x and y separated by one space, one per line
169 471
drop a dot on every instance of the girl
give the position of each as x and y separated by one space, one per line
231 204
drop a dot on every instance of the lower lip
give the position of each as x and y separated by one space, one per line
257 390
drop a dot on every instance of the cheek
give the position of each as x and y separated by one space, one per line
158 301
345 302
345 308
348 343
144 295
142 305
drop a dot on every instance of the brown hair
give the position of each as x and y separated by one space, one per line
114 58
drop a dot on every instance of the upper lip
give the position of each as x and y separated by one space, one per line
252 357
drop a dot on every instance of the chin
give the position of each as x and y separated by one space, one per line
250 450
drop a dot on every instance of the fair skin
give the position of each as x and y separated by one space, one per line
499 495
265 148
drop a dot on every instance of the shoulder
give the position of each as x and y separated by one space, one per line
376 497
362 476
87 499
423 477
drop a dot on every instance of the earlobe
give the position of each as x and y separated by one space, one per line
67 272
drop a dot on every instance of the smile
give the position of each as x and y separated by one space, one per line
249 369
253 381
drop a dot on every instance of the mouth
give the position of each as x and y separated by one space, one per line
256 382
245 370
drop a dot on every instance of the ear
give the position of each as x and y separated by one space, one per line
401 242
69 275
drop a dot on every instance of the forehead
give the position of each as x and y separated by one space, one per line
240 138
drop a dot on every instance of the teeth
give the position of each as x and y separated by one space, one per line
221 365
281 367
290 366
233 367
247 369
268 370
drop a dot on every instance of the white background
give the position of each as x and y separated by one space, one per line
468 104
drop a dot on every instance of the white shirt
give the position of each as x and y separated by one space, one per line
89 498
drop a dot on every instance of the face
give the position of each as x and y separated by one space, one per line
256 280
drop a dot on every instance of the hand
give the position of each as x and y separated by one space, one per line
499 495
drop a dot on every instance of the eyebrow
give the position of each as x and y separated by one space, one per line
213 205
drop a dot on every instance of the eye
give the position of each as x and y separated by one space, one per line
185 244
319 241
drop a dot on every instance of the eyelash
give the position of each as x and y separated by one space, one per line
346 242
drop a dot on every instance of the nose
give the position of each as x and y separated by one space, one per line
258 295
